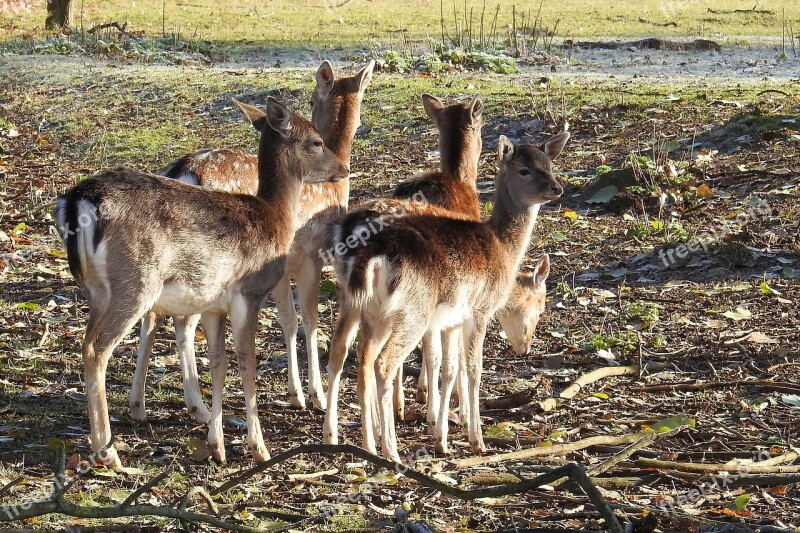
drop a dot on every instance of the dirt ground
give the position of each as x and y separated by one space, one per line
712 162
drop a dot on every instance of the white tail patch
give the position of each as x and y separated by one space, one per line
188 177
61 218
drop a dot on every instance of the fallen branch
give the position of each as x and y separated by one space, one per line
117 528
572 470
744 480
646 440
595 375
510 401
6 488
741 11
556 449
95 29
56 504
10 513
773 466
776 91
671 23
770 386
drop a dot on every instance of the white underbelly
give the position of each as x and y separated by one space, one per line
180 299
447 316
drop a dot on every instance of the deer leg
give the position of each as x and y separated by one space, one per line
432 359
104 331
185 327
473 344
343 336
244 321
287 316
308 279
462 388
422 385
399 396
147 336
214 328
373 337
403 339
449 369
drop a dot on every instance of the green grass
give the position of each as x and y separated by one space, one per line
362 23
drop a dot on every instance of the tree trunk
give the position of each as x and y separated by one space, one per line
59 14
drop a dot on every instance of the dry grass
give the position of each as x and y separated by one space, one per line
362 22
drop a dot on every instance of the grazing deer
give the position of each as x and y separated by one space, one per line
336 113
518 318
138 242
453 187
426 273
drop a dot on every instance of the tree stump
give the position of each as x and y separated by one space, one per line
59 14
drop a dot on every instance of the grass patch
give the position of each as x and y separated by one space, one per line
240 22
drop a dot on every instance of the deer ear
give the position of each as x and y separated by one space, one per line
476 108
364 76
542 270
526 279
325 77
505 149
553 146
278 116
256 117
433 107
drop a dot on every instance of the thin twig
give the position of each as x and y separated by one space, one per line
776 91
8 486
131 500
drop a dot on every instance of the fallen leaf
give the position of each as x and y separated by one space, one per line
603 195
740 313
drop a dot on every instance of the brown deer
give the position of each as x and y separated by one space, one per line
137 242
426 273
453 188
518 319
336 113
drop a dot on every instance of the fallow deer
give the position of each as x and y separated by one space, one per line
426 273
518 319
138 242
336 113
453 187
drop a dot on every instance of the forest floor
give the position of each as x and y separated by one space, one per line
714 162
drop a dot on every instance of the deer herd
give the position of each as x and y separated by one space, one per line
218 231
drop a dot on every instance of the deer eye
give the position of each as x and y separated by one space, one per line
318 145
524 172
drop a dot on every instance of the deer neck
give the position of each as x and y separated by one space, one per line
457 158
512 223
279 174
339 139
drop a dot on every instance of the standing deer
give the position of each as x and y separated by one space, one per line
336 113
138 242
452 191
427 273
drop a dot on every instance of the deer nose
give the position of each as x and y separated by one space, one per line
556 188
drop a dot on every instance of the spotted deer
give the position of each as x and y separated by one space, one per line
336 113
426 273
137 242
